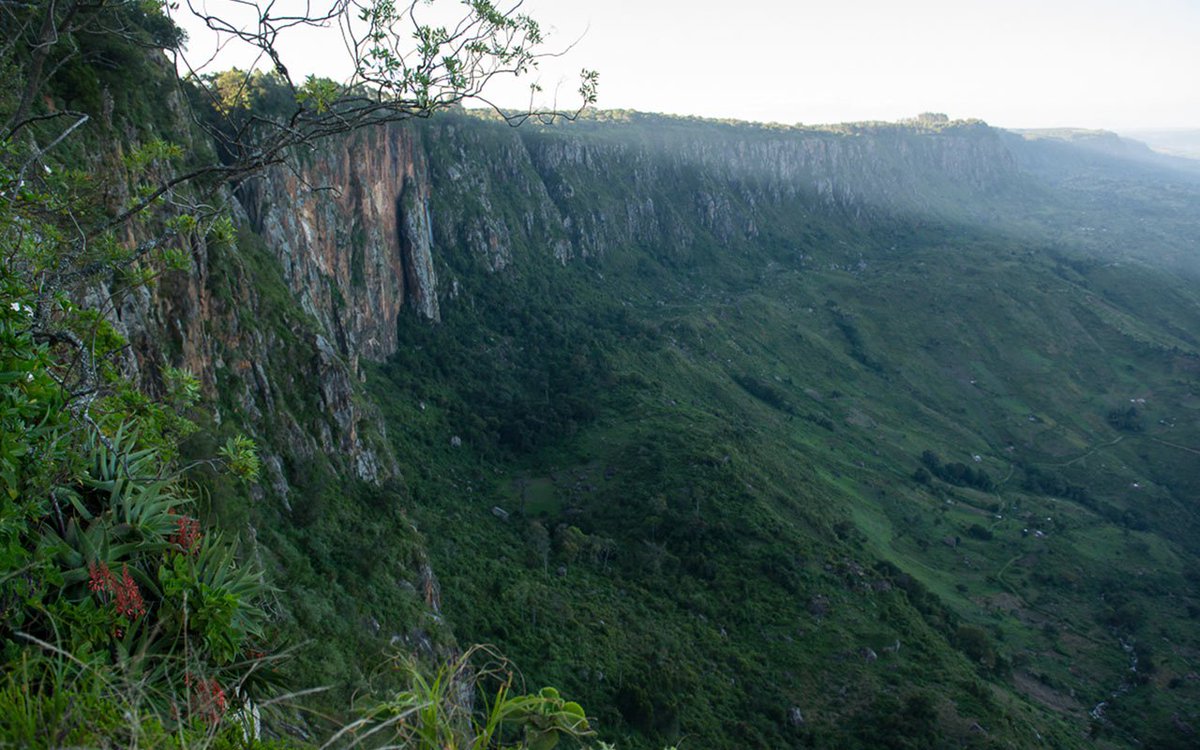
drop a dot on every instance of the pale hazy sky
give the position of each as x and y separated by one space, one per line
1118 64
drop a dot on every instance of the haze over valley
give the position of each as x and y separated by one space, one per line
340 409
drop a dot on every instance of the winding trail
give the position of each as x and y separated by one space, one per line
1092 452
1176 445
1111 443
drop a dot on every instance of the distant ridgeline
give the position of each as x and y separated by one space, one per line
741 435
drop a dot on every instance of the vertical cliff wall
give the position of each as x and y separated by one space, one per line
351 229
387 220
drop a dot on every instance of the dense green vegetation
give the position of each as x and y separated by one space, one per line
732 527
916 476
124 620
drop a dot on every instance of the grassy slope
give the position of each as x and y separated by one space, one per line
734 434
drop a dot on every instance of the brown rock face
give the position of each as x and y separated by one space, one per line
350 225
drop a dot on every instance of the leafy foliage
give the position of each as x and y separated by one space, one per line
434 712
117 601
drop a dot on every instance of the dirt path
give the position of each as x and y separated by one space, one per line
1176 445
1102 446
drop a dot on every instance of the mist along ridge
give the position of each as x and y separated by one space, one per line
863 436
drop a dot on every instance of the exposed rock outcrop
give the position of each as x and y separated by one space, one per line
350 226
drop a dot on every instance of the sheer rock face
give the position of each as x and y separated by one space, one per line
584 191
350 225
215 332
286 379
673 189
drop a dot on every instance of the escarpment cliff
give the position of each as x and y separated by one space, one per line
350 227
387 220
267 369
867 170
405 219
396 220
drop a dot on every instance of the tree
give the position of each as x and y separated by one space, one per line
402 67
1126 420
975 643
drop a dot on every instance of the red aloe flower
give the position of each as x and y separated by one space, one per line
218 694
207 699
129 596
100 578
187 535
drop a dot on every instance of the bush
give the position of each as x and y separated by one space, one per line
958 474
975 643
979 532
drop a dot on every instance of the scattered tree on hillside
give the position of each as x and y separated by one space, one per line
955 473
1126 420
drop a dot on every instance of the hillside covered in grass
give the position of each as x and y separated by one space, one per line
921 457
785 435
877 435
